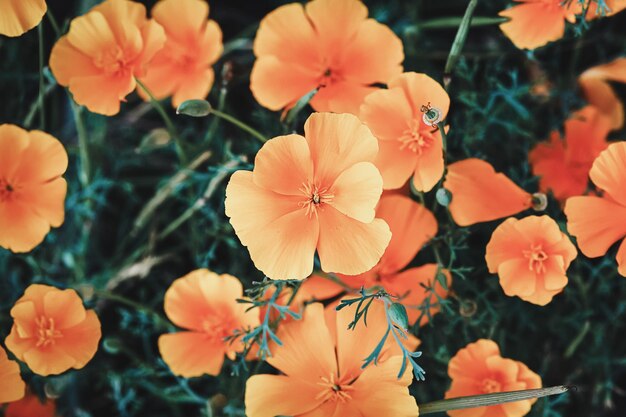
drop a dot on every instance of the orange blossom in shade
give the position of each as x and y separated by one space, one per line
534 23
182 69
531 257
325 44
32 192
104 51
598 222
19 16
30 406
563 164
317 192
404 119
479 369
595 87
52 332
12 388
321 364
480 194
205 305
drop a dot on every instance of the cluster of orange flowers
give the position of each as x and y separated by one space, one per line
339 191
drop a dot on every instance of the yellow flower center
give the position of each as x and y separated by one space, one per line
315 197
415 139
334 390
113 61
490 386
46 332
6 190
536 257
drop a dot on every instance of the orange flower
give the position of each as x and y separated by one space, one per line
205 304
31 406
479 194
564 164
103 53
194 43
12 388
599 222
534 23
478 369
52 332
304 194
326 44
596 89
321 362
20 16
404 119
531 257
32 192
612 7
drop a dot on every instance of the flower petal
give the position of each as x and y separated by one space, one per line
357 191
609 172
81 341
422 90
534 24
341 97
65 308
387 112
190 354
395 164
12 387
274 395
20 16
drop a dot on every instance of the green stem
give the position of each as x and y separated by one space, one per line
42 112
459 40
53 23
134 305
454 22
215 122
83 145
241 125
180 150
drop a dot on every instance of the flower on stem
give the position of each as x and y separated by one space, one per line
596 89
12 387
32 192
20 16
182 69
104 51
531 257
310 193
205 305
326 44
52 332
404 118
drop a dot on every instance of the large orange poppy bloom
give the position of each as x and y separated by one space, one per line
20 16
205 305
410 143
317 192
182 69
563 164
326 44
104 51
531 257
52 332
322 375
595 86
32 192
30 406
12 388
479 194
478 369
599 222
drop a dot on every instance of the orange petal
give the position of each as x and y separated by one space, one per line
348 246
12 388
47 200
65 307
341 97
609 172
387 112
357 191
284 165
317 287
19 16
599 93
338 141
516 278
430 166
21 230
190 354
469 362
585 136
534 24
13 141
195 86
336 23
396 165
30 405
183 20
42 160
66 62
91 34
88 92
274 395
507 242
421 90
81 341
479 194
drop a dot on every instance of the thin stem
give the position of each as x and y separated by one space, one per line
53 22
459 41
241 125
42 112
180 150
83 146
133 304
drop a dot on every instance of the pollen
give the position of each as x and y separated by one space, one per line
315 198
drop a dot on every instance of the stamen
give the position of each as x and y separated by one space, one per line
536 257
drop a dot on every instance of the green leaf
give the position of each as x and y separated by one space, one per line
195 108
304 100
398 315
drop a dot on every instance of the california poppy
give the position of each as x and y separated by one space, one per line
104 51
32 192
31 406
479 194
182 69
611 7
600 221
479 369
12 388
404 118
595 86
205 305
325 44
563 164
531 257
52 332
20 16
317 192
321 362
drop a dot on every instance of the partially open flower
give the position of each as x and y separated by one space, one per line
20 16
531 257
595 86
12 387
52 332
